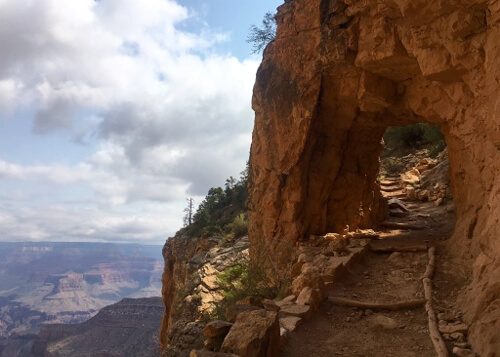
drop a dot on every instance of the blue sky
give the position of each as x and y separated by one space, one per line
113 112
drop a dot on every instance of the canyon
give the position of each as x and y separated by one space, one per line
68 283
128 328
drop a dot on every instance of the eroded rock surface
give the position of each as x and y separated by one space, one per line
254 334
339 73
190 290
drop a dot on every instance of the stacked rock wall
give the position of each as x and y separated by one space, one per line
339 73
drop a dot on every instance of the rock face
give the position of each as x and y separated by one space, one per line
190 288
337 75
176 252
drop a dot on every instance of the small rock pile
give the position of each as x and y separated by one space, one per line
455 331
428 180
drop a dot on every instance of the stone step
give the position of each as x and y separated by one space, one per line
397 212
390 183
400 225
391 189
397 194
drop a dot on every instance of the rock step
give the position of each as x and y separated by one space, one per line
397 212
391 189
395 203
400 225
391 178
396 194
390 183
397 246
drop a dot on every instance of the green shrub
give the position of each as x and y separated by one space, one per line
437 148
400 141
260 276
212 230
239 226
413 136
393 166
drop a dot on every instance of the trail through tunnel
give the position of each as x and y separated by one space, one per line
337 76
414 179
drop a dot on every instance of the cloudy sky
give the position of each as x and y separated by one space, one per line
113 112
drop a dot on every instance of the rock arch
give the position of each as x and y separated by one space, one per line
339 73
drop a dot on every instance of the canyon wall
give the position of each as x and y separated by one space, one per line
190 287
336 76
177 254
127 329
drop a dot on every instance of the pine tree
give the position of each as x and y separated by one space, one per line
261 36
188 217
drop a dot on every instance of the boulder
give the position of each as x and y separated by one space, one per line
410 193
216 328
312 280
251 300
311 297
301 311
254 334
234 311
270 305
423 195
463 352
290 323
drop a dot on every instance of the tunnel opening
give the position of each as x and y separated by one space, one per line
414 180
417 140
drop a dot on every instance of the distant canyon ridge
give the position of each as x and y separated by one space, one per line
44 283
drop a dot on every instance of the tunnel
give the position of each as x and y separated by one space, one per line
338 74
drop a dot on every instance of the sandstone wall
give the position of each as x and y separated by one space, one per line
340 72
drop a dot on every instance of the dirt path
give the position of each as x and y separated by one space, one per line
387 277
345 331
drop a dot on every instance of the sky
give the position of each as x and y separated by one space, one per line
114 112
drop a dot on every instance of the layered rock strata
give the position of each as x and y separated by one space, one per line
337 75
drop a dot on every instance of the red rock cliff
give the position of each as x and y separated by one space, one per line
177 252
339 73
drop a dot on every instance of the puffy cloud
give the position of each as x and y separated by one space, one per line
168 117
55 174
10 92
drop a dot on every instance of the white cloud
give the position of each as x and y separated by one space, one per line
10 92
77 224
169 118
56 174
